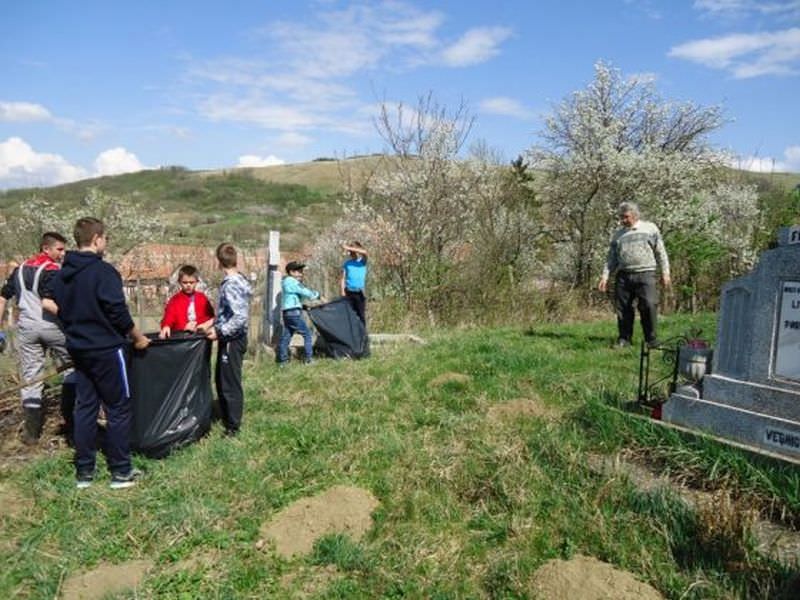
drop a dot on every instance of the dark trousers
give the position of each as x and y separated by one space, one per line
101 377
293 322
642 289
228 380
359 303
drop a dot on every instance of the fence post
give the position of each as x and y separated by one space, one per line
271 288
139 303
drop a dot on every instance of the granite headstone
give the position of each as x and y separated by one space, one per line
752 395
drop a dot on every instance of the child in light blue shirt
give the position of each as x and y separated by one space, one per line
293 292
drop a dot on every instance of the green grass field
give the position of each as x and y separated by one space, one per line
477 446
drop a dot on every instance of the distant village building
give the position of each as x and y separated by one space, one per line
149 271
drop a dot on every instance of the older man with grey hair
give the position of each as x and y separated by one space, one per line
635 252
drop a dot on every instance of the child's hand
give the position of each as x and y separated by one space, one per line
165 332
212 334
191 326
141 342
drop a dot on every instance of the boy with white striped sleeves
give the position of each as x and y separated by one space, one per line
91 305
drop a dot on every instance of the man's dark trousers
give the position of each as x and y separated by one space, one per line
102 378
640 287
228 379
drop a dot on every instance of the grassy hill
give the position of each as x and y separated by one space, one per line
481 449
242 204
322 175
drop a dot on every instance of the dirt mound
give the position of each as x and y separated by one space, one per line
105 580
587 578
521 407
455 379
341 509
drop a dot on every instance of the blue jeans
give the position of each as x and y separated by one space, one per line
293 322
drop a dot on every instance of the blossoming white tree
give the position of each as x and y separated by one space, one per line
616 140
129 224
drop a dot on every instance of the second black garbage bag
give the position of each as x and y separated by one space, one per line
341 332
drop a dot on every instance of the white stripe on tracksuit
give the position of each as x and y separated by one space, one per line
123 372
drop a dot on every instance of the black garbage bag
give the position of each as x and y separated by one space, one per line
170 385
341 332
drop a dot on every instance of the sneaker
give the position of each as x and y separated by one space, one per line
121 481
654 343
622 343
84 480
308 361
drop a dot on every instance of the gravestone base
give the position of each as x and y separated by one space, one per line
773 434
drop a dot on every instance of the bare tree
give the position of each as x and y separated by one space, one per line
418 195
440 220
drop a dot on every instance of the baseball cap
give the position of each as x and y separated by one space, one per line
295 266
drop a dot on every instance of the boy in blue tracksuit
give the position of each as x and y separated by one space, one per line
91 305
293 293
230 331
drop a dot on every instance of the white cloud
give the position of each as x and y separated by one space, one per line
293 139
22 166
23 111
255 76
743 8
252 160
476 46
746 54
343 42
306 83
19 112
501 105
115 161
765 164
258 111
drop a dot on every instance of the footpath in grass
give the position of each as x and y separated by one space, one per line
474 456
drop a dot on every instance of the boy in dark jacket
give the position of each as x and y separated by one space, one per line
91 306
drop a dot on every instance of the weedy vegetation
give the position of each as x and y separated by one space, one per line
477 446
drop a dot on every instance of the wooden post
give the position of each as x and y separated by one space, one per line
271 288
139 302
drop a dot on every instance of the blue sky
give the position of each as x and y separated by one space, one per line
95 88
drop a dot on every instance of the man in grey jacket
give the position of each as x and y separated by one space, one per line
635 252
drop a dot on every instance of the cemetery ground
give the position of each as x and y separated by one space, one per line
487 463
